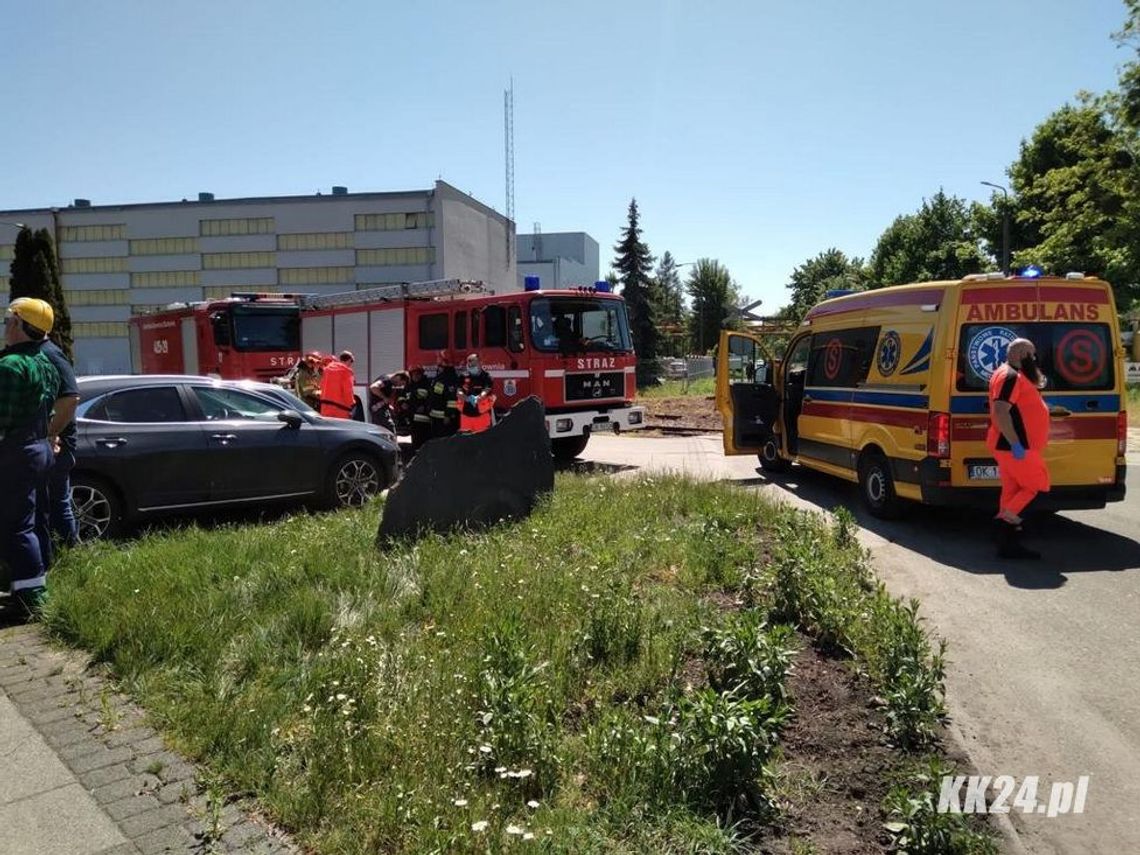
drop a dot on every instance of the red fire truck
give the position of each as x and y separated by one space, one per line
246 336
571 348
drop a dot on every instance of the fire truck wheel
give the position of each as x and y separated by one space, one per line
353 481
770 459
97 507
569 447
877 485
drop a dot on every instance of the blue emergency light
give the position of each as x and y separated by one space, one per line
1030 271
602 286
532 283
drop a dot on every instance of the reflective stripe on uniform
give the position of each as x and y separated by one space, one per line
437 414
34 582
420 417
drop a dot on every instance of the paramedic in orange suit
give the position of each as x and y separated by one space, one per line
1018 434
336 389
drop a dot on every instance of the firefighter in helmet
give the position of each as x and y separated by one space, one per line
444 401
417 395
307 379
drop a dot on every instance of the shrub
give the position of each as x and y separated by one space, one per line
748 659
917 826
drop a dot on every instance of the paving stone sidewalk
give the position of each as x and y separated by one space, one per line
82 774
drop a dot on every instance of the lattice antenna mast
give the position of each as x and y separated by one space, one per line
509 157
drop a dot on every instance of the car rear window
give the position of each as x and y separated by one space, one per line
1074 357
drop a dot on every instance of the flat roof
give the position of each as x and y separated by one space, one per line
251 200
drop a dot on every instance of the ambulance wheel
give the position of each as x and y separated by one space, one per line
770 459
878 486
97 508
569 447
353 481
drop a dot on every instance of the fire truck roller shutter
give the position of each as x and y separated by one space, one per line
189 346
350 332
387 340
316 333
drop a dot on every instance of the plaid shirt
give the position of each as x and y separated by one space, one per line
29 385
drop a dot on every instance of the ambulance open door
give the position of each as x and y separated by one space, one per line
746 396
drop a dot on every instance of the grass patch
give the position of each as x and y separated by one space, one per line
1134 403
575 678
699 387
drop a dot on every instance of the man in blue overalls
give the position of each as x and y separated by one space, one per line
29 385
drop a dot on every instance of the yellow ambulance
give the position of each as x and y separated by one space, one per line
889 389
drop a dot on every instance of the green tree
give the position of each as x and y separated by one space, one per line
671 299
937 241
35 273
811 280
1128 106
634 265
1076 182
712 297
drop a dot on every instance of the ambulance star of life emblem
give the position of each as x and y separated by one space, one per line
890 349
987 350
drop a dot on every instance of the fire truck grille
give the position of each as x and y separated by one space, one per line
587 387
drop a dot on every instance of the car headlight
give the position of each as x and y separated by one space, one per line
563 425
635 417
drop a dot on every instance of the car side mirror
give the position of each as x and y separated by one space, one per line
291 418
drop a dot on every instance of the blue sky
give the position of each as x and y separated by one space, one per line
756 133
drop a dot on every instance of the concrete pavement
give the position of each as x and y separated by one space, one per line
82 774
1044 672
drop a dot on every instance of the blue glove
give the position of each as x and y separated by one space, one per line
1018 451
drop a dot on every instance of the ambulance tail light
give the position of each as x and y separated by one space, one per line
1121 433
938 435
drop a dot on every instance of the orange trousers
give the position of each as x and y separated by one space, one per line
1021 480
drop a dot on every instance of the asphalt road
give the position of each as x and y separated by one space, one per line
1044 672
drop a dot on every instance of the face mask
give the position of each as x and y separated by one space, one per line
472 367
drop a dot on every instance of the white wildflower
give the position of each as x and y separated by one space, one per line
481 825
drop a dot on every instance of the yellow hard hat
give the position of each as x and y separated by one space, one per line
34 312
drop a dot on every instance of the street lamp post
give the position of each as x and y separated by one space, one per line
1004 226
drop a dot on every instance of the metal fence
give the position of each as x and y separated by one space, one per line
687 370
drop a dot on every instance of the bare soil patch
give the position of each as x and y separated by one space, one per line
691 412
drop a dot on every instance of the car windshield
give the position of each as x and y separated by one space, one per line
579 324
261 328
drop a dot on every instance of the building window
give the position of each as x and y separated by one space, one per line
98 297
164 279
220 292
315 240
99 329
314 275
84 233
394 222
402 255
117 264
237 260
164 246
240 226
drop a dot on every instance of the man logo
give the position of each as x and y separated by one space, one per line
987 350
890 349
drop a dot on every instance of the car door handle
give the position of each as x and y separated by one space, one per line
807 399
224 438
1060 412
111 442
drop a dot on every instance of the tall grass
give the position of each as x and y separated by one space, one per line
699 387
572 679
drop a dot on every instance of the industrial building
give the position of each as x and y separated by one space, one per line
559 259
118 260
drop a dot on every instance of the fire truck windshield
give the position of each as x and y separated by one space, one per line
579 324
265 328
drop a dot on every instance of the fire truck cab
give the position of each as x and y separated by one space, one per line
571 348
246 336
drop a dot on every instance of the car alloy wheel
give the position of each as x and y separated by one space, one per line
93 511
357 481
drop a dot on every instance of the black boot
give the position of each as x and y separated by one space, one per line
1010 545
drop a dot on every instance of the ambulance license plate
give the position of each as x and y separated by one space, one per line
982 472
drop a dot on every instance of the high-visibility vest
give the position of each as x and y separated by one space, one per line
475 415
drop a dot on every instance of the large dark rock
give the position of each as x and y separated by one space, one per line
470 481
